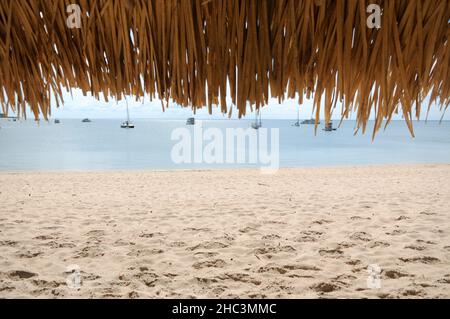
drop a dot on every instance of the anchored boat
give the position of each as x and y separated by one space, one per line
127 123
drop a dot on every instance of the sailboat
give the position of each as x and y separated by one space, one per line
258 123
298 117
127 123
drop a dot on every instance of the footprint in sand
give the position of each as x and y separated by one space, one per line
325 287
274 222
444 281
379 244
353 262
359 218
21 274
29 254
427 213
272 269
9 243
322 221
414 293
217 263
345 244
122 243
208 245
395 274
5 288
193 229
415 247
47 284
247 230
205 254
177 244
361 236
149 235
396 232
302 267
331 253
44 237
145 252
428 242
273 250
271 237
308 236
133 295
89 252
241 278
142 274
95 233
206 281
422 259
54 245
344 277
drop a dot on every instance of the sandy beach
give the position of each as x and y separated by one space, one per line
301 233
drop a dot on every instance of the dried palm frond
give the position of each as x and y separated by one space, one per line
198 52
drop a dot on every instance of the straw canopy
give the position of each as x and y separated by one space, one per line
198 52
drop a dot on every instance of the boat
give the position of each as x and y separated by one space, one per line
9 118
329 127
57 121
298 118
190 121
86 120
258 123
311 121
127 123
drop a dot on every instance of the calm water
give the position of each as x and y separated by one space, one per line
102 145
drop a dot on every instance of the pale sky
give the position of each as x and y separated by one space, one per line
87 106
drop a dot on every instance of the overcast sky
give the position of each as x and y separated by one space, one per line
87 106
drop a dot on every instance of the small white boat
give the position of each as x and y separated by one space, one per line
298 118
86 120
127 123
258 123
57 121
311 121
190 121
329 127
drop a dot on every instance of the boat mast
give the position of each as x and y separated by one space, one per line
128 112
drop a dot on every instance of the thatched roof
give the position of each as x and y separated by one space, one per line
197 52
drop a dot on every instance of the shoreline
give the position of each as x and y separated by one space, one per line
301 233
220 169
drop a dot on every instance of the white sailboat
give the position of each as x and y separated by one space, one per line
127 123
298 117
258 123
